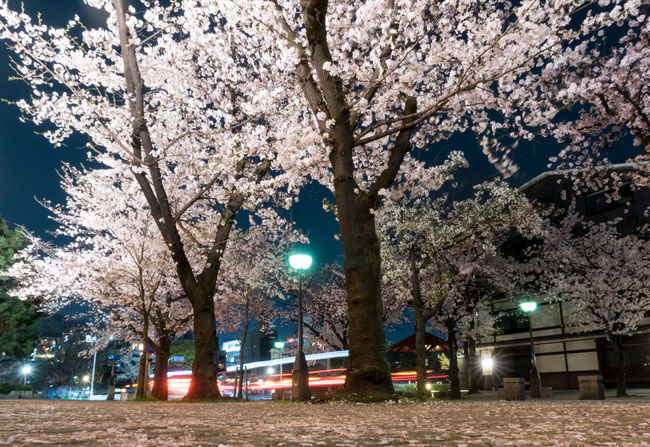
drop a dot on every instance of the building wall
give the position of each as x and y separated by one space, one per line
562 352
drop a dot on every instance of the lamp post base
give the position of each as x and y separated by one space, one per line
300 379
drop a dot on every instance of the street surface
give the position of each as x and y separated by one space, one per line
619 422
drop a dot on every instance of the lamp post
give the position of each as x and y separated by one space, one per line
300 376
279 345
111 381
26 370
535 379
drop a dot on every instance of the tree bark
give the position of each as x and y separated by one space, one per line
204 366
453 360
368 369
140 381
419 329
161 386
242 351
143 372
621 365
110 395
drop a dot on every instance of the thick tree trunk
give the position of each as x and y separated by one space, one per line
160 387
141 373
368 370
204 367
453 361
621 365
419 329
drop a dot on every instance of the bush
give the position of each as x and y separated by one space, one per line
443 387
6 388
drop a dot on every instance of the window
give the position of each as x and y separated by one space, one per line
511 322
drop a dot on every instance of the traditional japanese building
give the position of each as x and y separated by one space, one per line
563 352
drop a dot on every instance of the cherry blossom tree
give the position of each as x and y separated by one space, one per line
340 92
435 250
170 96
603 274
605 80
380 78
462 310
115 262
254 259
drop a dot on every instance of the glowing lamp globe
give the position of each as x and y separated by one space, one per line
529 306
26 369
300 262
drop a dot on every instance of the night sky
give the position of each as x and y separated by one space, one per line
28 163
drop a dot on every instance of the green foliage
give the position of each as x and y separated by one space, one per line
442 387
343 395
6 388
443 360
407 388
183 348
18 328
18 331
11 241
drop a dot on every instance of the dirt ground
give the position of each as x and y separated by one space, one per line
624 422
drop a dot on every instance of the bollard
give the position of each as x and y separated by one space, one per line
591 387
513 388
546 392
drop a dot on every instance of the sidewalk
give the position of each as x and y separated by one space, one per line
464 423
633 393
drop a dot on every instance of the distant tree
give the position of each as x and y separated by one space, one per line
254 260
114 261
605 276
11 242
434 250
18 319
18 328
183 348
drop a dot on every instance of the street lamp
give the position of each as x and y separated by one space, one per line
487 363
535 379
300 375
26 370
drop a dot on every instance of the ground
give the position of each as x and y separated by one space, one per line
565 422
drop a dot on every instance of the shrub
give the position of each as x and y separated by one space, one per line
6 388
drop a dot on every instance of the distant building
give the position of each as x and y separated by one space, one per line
401 355
258 347
562 353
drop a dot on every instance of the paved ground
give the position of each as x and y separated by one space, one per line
621 422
